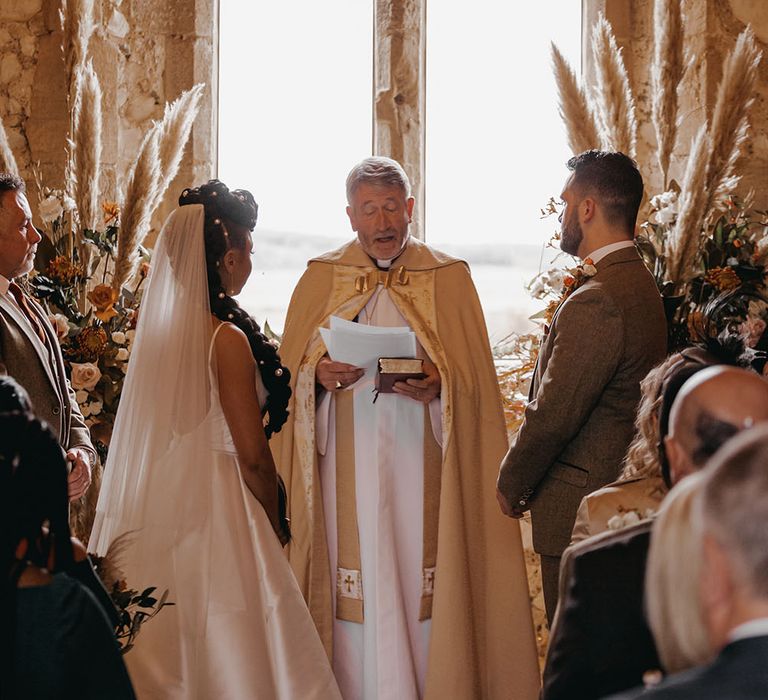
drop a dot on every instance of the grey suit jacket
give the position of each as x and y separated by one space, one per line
40 370
579 421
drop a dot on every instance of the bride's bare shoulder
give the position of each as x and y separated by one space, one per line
231 343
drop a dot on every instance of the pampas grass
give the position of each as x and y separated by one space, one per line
667 71
574 108
77 26
85 147
730 119
140 196
7 159
684 239
173 134
613 95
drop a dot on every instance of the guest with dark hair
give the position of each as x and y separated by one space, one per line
57 642
191 474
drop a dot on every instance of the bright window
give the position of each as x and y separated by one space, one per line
496 146
294 117
295 114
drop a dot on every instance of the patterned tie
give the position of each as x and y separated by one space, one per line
23 302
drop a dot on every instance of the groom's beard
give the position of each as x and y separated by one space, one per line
571 237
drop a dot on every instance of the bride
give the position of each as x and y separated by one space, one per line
191 476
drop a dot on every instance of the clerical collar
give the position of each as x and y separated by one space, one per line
384 264
596 255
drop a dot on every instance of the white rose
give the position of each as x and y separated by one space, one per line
589 270
630 518
50 209
122 355
60 325
81 396
130 335
95 407
85 375
68 202
118 337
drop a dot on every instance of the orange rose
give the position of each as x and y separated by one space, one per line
111 212
103 297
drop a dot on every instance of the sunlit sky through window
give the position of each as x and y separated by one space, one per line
295 112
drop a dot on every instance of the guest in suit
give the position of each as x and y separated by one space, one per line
29 349
600 641
604 338
733 591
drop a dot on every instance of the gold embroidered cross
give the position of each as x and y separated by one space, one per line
349 581
430 578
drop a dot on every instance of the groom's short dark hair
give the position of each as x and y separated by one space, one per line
614 181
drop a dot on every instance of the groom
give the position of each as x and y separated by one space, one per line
605 336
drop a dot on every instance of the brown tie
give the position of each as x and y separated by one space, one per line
23 302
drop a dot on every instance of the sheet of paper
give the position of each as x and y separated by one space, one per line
362 345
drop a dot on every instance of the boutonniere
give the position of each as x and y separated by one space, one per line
577 276
574 278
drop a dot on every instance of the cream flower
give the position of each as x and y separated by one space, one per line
95 407
82 396
118 337
85 375
60 325
50 209
122 355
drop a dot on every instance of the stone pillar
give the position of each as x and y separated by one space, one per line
711 28
145 53
399 99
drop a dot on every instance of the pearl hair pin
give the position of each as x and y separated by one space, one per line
279 372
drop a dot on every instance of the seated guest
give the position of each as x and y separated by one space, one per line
13 398
671 591
56 640
600 641
733 586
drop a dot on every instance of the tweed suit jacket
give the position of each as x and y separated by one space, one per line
40 370
603 340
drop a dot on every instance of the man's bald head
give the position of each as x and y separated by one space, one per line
712 406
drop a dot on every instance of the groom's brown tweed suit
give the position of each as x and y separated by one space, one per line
579 421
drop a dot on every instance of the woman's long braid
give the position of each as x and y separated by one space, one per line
229 216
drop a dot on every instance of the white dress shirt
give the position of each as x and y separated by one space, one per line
754 628
600 253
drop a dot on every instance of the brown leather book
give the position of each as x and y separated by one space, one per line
397 369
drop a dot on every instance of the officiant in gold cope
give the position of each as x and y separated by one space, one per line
415 580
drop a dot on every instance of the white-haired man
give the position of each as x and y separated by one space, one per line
415 581
734 583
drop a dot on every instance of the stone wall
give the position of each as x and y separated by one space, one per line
711 28
145 53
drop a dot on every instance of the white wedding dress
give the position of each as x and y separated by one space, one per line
239 627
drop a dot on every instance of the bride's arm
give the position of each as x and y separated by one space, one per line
240 402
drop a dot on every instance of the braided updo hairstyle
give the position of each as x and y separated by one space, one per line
229 217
